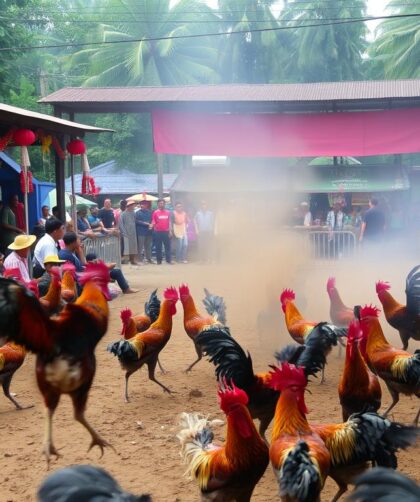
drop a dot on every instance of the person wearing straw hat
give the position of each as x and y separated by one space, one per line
44 281
18 258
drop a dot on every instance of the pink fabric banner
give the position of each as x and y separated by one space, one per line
287 135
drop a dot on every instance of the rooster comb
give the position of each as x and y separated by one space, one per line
287 375
230 395
369 311
330 283
96 272
184 290
287 295
125 315
70 268
382 286
171 294
13 273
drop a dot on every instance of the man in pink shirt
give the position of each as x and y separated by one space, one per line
161 223
18 258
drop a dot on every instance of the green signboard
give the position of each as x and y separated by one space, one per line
350 178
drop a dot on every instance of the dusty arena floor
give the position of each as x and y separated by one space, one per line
143 432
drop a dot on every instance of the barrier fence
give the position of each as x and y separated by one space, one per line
326 245
106 248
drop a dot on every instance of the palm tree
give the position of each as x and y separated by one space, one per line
395 52
247 57
326 53
152 62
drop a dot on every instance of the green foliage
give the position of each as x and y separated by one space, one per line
396 49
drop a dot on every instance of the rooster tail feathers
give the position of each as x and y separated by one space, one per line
289 354
227 355
383 485
412 290
126 350
152 306
396 437
299 477
196 437
215 306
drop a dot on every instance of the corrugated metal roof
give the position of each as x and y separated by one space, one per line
12 115
122 181
312 92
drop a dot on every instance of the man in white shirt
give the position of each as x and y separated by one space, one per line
47 245
18 258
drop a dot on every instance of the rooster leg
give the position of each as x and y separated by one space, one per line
264 423
416 420
405 337
200 356
322 376
79 399
162 369
127 376
395 398
49 449
341 489
151 365
6 386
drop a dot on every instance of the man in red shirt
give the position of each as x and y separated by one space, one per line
161 224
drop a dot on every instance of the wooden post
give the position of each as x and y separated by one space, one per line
160 175
60 176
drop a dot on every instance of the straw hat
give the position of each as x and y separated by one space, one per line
52 258
130 202
22 241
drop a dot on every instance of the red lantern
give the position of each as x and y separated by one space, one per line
76 147
23 137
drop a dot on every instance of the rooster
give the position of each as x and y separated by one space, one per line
384 485
140 322
133 324
195 323
144 348
235 365
51 301
399 369
298 455
229 472
68 282
404 318
12 357
64 344
359 389
340 315
84 483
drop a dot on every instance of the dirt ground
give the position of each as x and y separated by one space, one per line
143 432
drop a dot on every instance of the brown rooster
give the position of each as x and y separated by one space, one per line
12 357
399 369
64 345
359 389
144 348
229 472
404 318
299 457
195 323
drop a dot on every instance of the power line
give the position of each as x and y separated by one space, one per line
218 34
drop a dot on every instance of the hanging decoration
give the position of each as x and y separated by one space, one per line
24 138
78 147
7 139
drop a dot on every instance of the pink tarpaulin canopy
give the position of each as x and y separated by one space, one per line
287 135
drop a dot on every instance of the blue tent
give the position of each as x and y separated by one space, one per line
10 185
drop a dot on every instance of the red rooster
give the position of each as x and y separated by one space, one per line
399 369
64 345
299 457
340 315
144 348
235 365
359 388
195 323
404 318
68 282
229 472
298 327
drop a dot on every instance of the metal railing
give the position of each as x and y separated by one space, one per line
326 245
106 248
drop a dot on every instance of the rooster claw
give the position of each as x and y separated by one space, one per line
101 443
25 407
49 450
